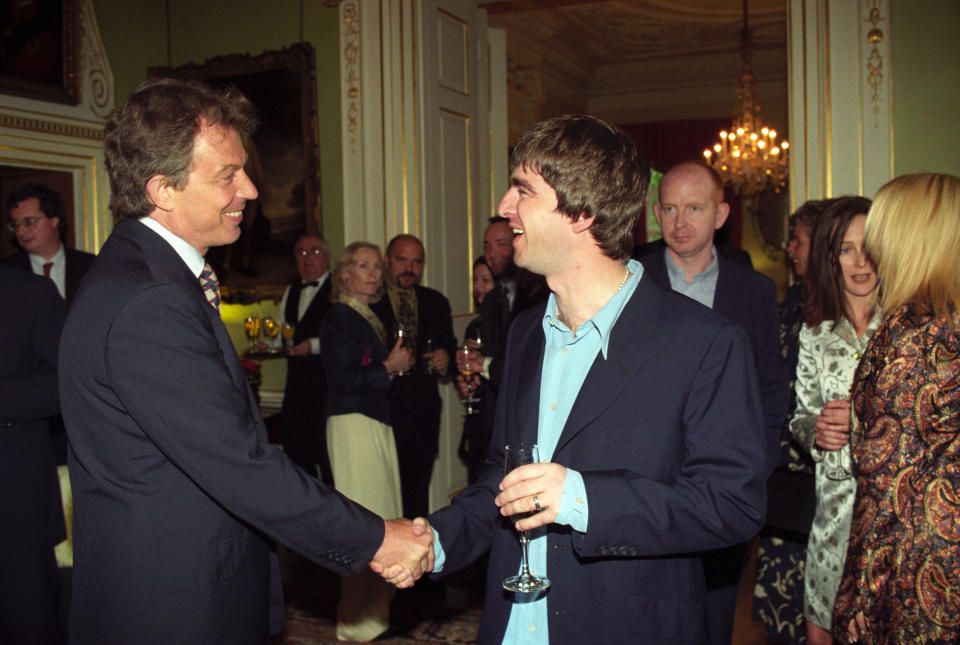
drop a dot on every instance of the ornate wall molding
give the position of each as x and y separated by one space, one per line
59 128
350 37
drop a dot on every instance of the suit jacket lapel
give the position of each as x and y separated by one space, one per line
626 355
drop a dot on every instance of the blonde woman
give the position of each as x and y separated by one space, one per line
363 456
900 583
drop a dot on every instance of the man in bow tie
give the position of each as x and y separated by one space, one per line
304 304
177 492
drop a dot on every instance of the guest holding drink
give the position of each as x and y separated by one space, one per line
900 582
360 442
475 438
839 318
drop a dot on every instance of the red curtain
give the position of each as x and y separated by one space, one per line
667 143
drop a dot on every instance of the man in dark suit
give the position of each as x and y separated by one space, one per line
29 491
38 220
177 491
414 399
516 290
644 406
690 209
304 304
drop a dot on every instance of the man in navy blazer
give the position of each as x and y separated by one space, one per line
644 405
690 209
177 491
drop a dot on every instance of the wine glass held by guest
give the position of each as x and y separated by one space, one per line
363 457
840 316
899 582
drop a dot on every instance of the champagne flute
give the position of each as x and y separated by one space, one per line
401 335
286 332
252 328
467 373
517 455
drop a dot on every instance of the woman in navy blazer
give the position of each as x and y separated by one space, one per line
363 455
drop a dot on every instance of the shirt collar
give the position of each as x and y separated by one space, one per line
605 319
37 262
190 256
677 274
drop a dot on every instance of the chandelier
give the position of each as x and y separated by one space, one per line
748 157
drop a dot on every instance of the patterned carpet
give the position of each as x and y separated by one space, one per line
430 613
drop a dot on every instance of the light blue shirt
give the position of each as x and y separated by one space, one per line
567 359
704 285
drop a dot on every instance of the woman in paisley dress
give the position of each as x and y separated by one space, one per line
782 544
901 581
839 317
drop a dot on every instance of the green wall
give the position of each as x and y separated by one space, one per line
135 35
926 86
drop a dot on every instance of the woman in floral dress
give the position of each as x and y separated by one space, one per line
901 582
839 317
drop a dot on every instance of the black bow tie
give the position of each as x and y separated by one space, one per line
313 283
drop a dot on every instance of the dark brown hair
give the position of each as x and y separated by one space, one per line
595 169
49 200
154 132
824 281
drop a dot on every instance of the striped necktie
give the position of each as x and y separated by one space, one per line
211 286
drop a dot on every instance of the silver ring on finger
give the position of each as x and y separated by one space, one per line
536 503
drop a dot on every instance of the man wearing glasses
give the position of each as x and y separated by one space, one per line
38 221
303 305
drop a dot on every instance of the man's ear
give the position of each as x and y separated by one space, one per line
160 192
722 211
656 212
583 223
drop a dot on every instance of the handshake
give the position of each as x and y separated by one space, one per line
406 552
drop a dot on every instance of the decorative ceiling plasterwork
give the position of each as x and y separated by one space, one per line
577 53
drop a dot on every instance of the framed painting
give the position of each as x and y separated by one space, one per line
282 163
40 50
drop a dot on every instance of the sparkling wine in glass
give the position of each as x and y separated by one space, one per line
286 332
400 333
517 455
270 327
470 399
252 328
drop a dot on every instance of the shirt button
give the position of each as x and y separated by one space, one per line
533 627
563 351
553 407
856 355
579 500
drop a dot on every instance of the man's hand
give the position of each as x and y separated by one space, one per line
300 349
439 358
473 359
406 552
832 429
526 487
466 386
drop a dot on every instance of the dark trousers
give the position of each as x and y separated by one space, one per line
416 431
304 431
722 569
